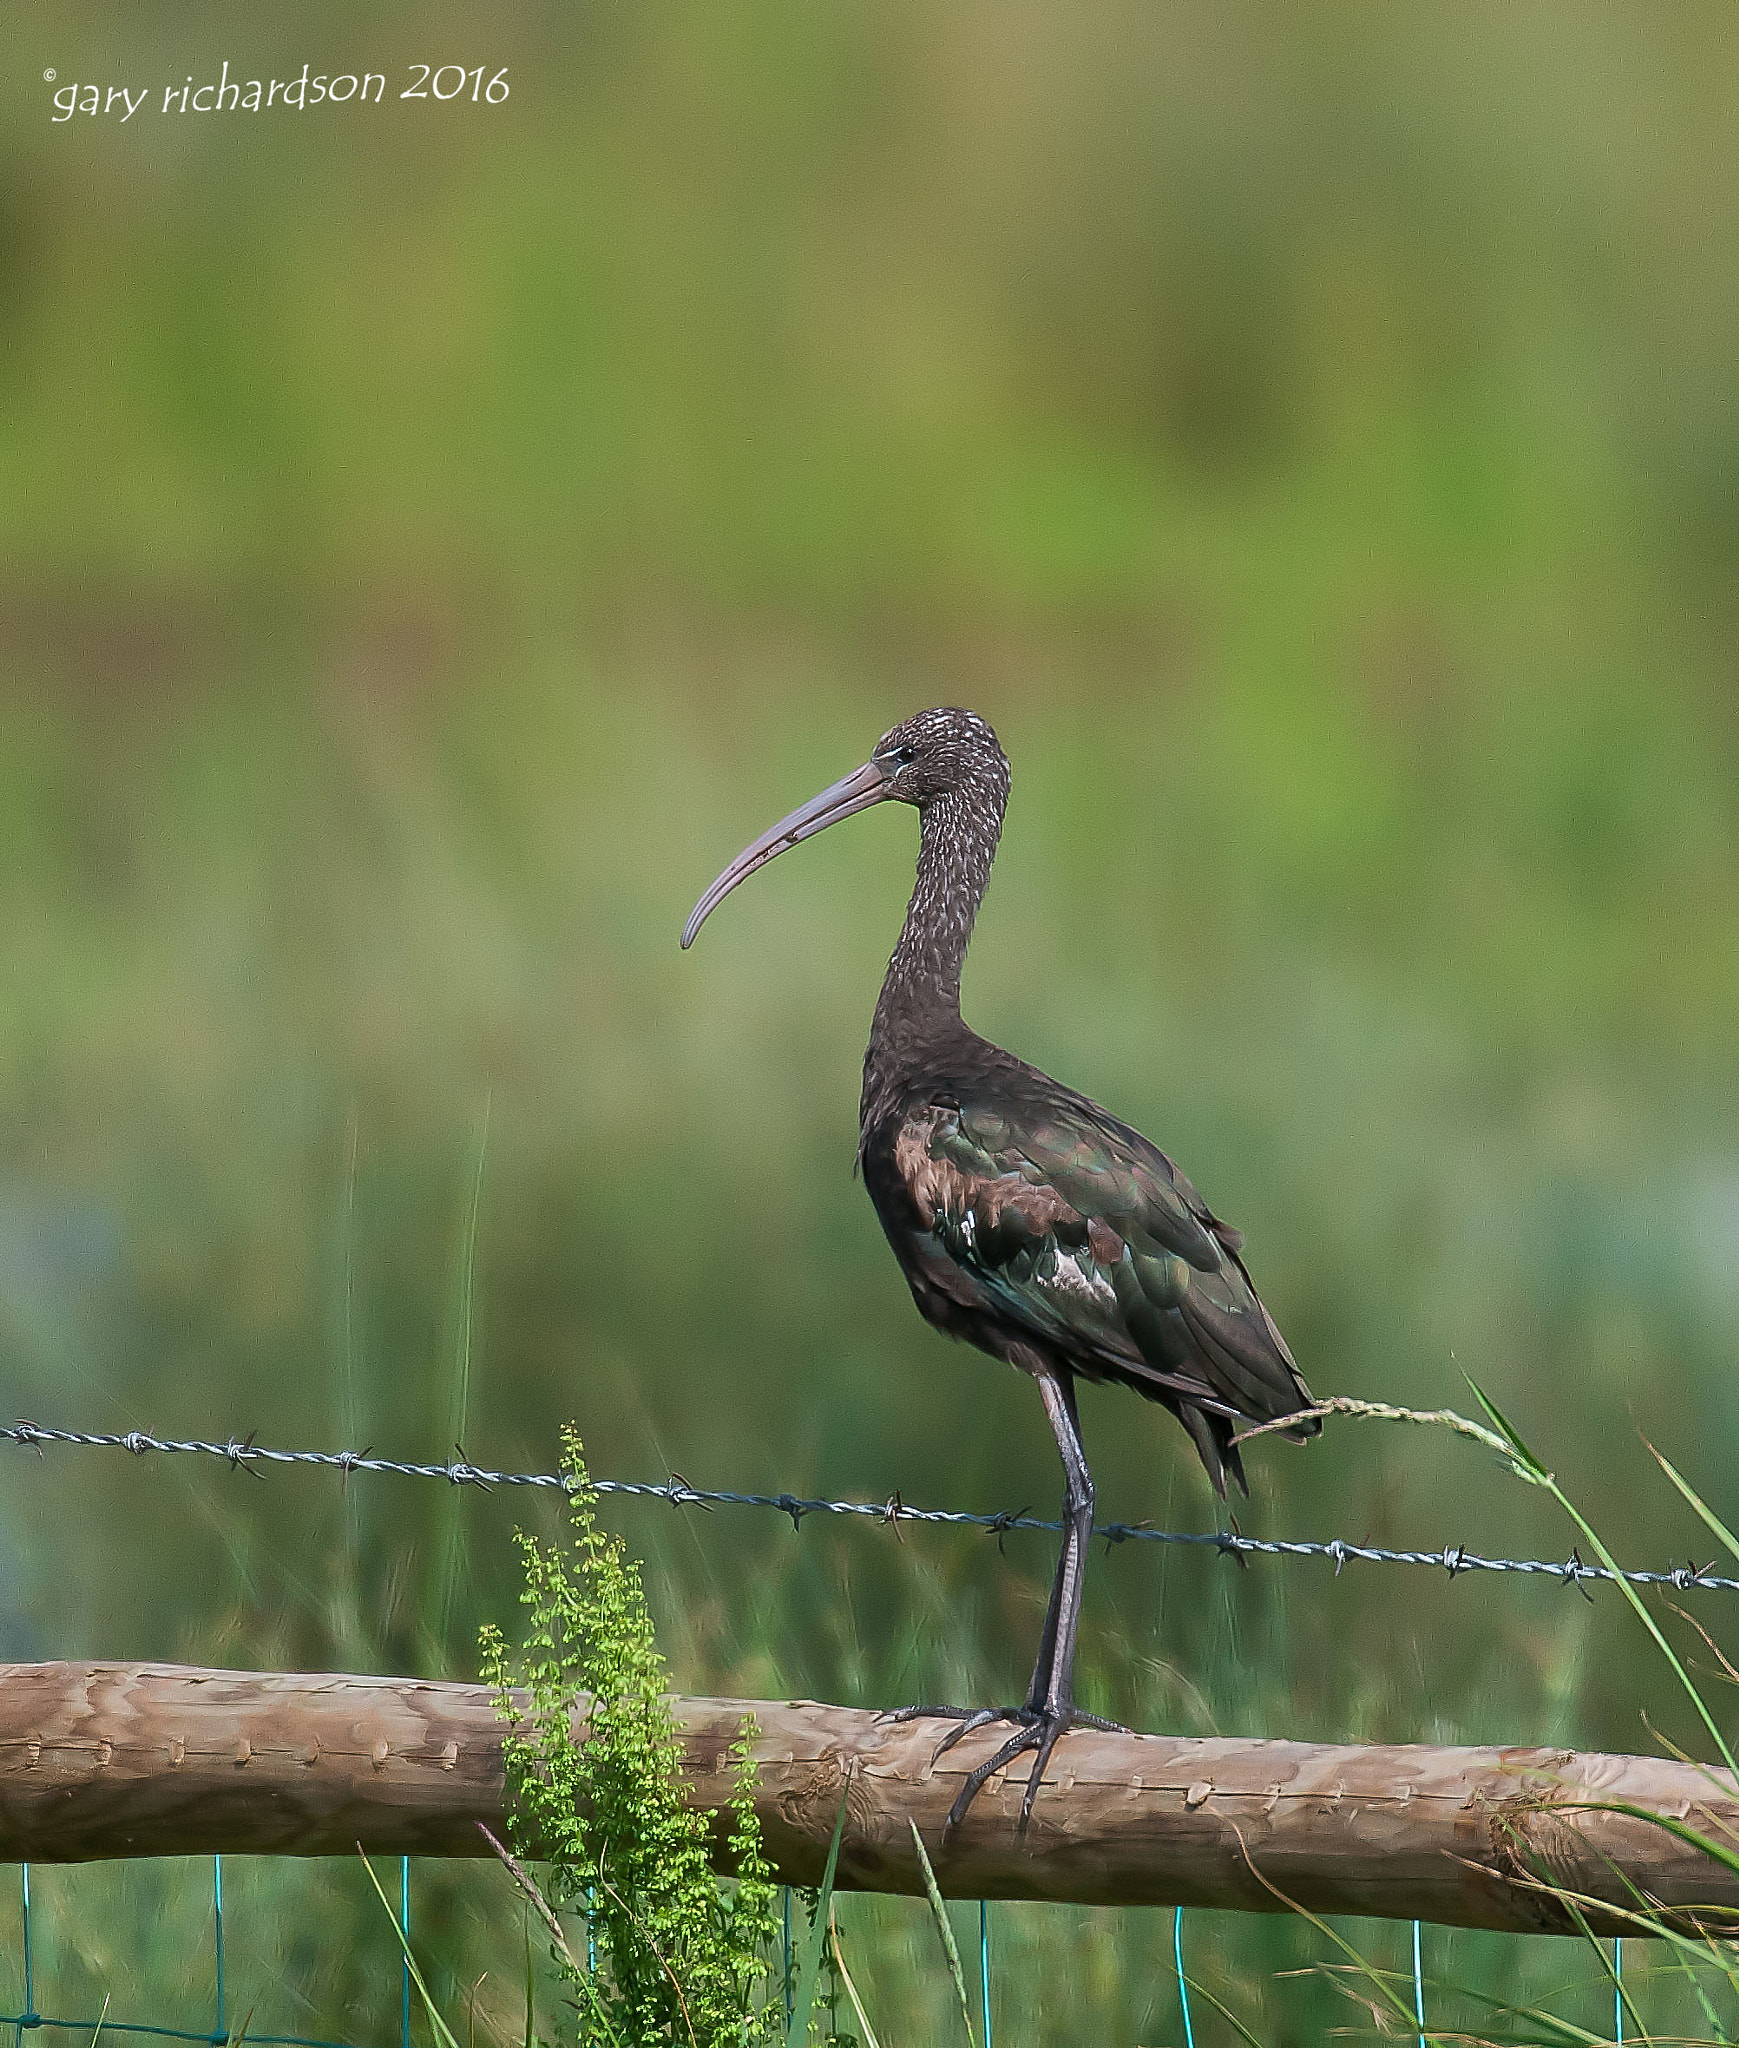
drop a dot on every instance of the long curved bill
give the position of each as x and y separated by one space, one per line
854 792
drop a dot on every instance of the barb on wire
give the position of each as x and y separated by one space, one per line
462 1472
240 1453
247 1454
682 1495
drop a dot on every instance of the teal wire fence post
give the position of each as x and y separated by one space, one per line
405 1952
221 2031
790 1993
1618 1989
1183 1989
1418 1988
984 1964
28 2017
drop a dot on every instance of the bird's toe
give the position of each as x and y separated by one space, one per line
1048 1732
970 1726
1023 1738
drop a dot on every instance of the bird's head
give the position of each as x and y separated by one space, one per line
938 752
933 755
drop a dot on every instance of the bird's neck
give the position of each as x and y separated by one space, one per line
920 998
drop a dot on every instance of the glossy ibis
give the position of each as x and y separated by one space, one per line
1025 1218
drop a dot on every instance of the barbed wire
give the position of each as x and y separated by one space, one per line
244 1454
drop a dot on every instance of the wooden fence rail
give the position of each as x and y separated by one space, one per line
105 1760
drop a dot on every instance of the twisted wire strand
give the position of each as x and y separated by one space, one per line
244 1454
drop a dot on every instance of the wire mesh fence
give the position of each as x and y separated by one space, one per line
246 1456
224 2027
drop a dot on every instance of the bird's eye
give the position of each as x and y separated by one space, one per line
905 756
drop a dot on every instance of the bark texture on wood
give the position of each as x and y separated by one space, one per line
104 1760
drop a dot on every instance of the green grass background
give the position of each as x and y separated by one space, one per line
433 538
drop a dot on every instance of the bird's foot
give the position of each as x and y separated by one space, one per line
972 1718
1037 1728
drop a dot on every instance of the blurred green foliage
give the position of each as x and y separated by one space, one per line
435 537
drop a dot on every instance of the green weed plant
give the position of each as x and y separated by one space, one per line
681 1954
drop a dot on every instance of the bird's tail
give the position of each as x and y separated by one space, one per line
1212 1436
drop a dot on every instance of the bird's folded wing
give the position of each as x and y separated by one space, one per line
1078 1229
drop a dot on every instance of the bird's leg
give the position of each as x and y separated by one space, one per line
972 1718
1050 1708
1051 1686
1047 1654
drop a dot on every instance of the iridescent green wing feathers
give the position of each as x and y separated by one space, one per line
1075 1229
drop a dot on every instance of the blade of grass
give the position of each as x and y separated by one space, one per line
1542 1477
863 2020
528 1888
343 1334
1727 1673
1727 1858
1386 1411
809 1977
444 2034
1650 1922
1682 1959
1704 1770
585 1980
467 1281
1378 1979
1644 1923
1226 2013
1401 2009
939 1912
460 1401
1557 2032
530 1975
342 1345
1612 1977
1711 1521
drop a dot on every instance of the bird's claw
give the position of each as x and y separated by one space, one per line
1036 1729
1039 1728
